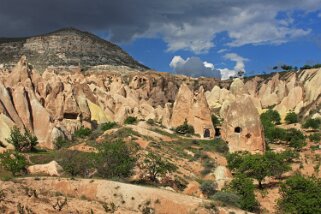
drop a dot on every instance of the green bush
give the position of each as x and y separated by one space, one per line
228 198
185 129
244 187
22 142
300 195
215 120
270 116
291 117
155 166
60 143
82 132
108 125
316 137
76 163
150 122
259 166
312 123
13 162
220 146
208 188
208 165
295 138
130 120
114 160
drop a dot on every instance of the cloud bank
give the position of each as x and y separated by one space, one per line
195 67
183 25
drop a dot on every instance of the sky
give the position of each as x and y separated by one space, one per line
215 38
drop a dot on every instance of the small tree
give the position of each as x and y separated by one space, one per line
316 137
244 187
22 142
82 132
130 120
215 120
108 125
271 116
208 188
185 129
13 162
114 160
156 166
312 123
291 117
300 195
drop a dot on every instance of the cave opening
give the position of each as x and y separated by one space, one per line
238 129
217 132
207 133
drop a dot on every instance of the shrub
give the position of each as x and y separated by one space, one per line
13 162
215 120
76 163
130 120
291 117
316 137
22 142
295 138
228 198
208 188
82 132
220 146
151 122
185 129
156 166
60 142
270 116
300 195
114 160
244 187
312 123
108 125
208 165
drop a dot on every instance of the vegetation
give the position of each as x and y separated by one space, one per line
114 160
227 198
312 123
270 117
13 162
156 166
316 137
185 129
22 142
82 132
300 195
215 120
107 126
291 117
310 66
259 166
150 122
220 146
208 188
60 142
130 120
76 163
244 187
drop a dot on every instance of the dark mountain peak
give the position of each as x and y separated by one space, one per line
65 47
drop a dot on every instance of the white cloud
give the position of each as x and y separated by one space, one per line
319 15
194 67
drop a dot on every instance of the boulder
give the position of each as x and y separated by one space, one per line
242 128
51 169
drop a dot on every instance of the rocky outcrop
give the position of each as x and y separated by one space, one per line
61 48
242 128
193 108
51 169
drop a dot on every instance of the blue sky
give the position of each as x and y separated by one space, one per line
299 51
192 37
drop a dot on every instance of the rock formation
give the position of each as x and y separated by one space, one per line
193 108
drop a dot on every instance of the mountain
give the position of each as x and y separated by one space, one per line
65 47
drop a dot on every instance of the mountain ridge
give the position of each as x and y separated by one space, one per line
65 47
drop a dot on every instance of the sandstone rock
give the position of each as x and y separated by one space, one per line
194 109
222 176
51 169
242 128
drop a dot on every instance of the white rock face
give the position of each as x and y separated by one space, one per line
51 169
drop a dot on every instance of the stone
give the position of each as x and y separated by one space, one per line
51 169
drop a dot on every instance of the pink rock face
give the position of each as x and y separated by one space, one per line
242 128
193 108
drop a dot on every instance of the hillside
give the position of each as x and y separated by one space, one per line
65 47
